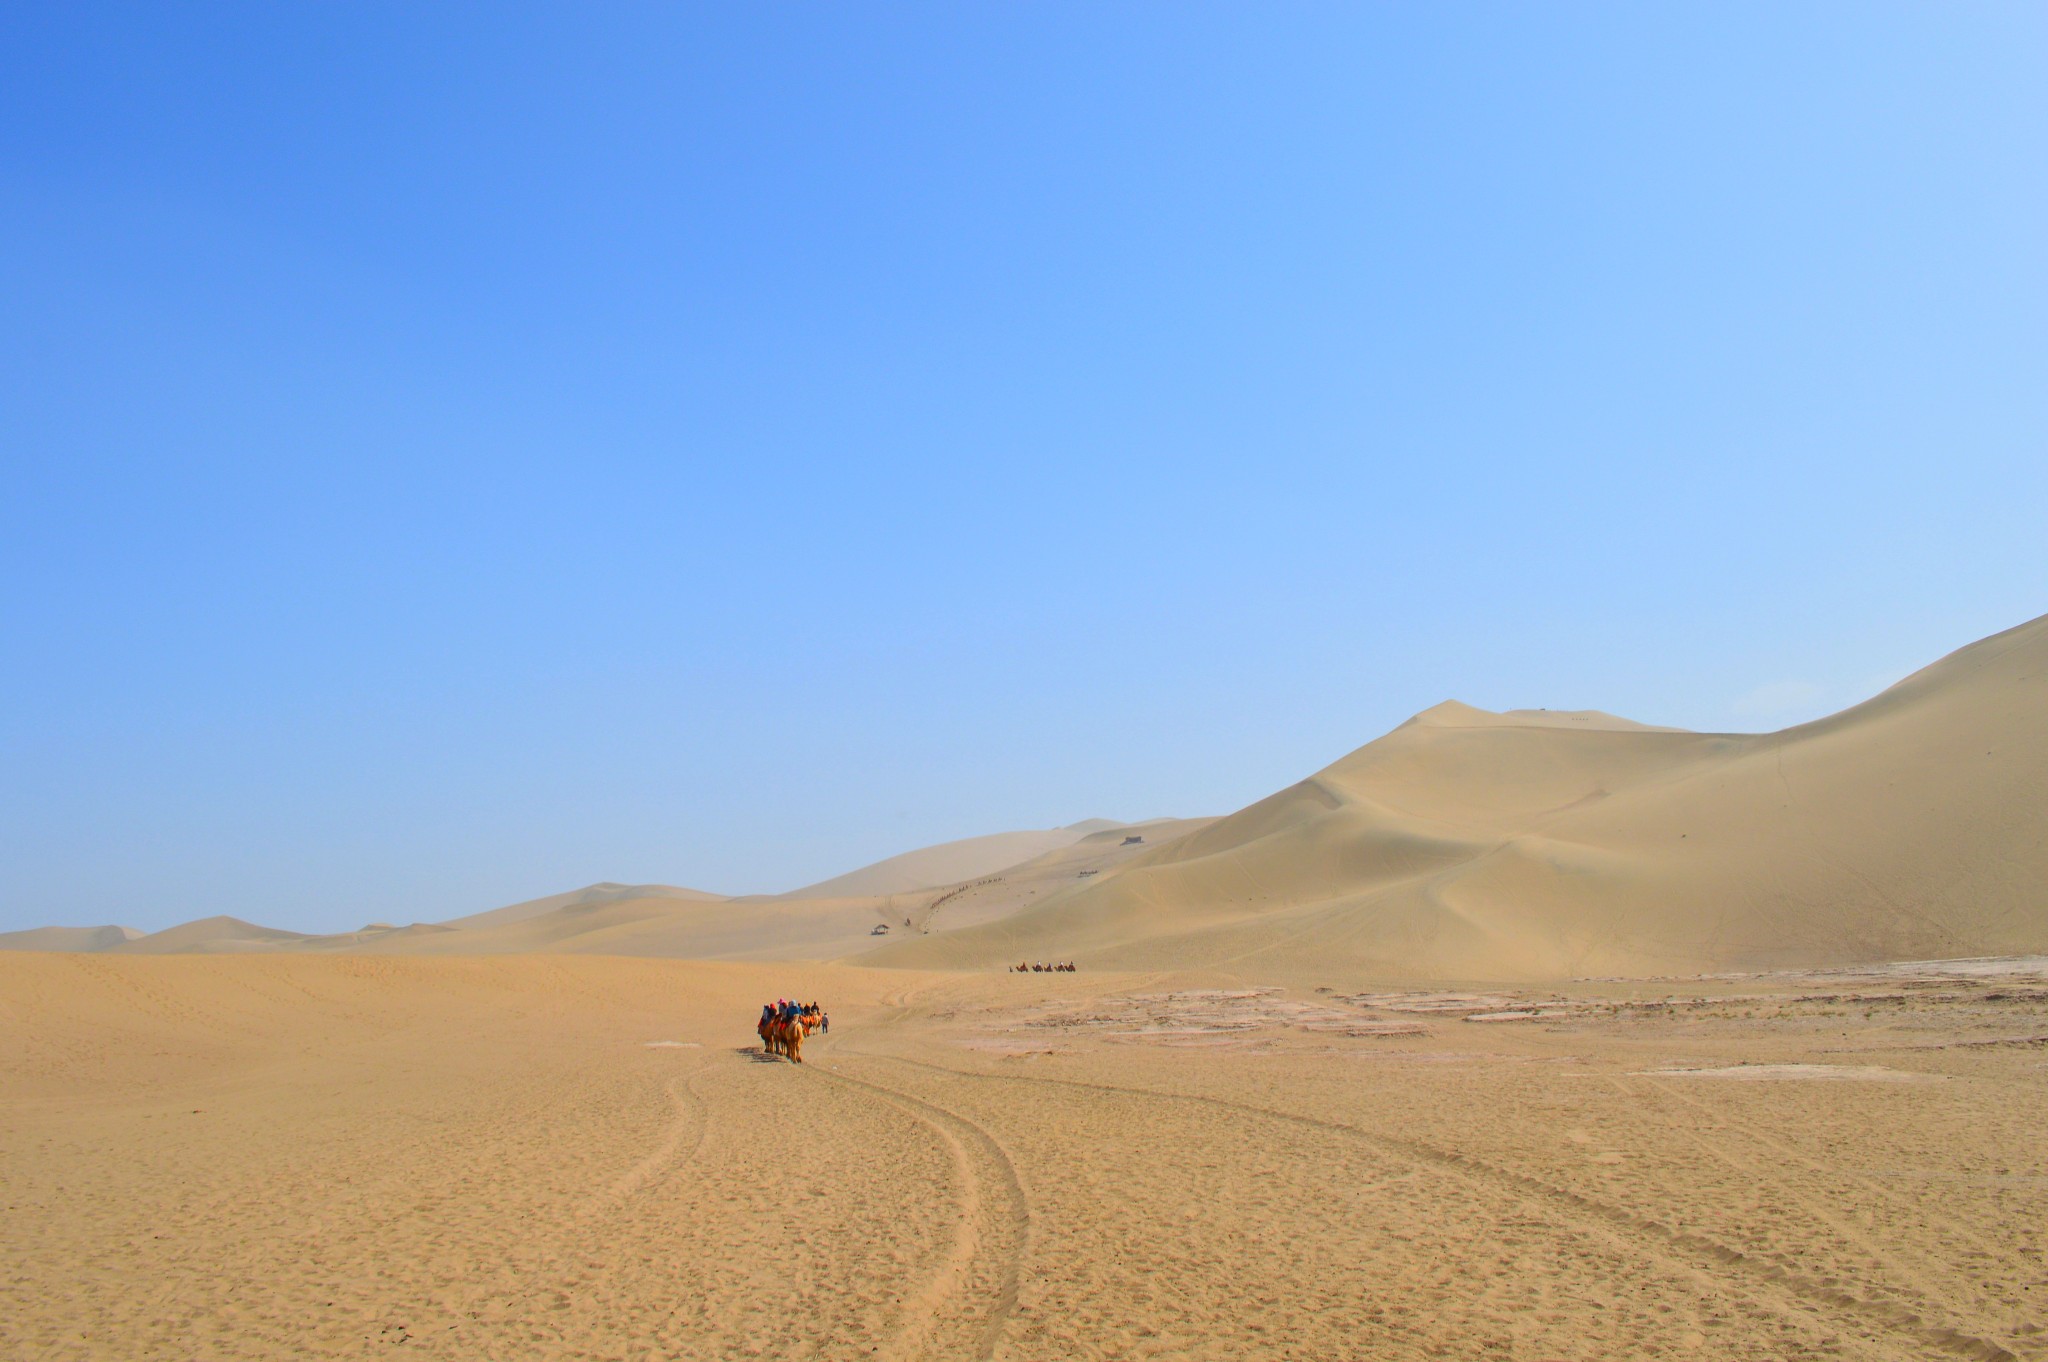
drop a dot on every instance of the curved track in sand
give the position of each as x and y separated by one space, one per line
483 1160
961 1310
1689 1251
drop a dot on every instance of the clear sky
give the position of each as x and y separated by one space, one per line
455 454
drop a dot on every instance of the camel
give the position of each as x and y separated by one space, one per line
790 1035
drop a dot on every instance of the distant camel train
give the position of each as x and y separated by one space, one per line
1042 967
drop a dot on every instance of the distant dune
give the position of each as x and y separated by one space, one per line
66 938
1543 845
949 862
212 934
605 892
665 925
1465 845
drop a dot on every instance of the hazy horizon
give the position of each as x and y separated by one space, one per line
450 465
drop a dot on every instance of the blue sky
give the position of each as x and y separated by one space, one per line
449 455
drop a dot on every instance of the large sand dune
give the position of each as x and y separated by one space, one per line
1530 845
1534 845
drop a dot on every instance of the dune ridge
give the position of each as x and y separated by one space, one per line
1527 845
1544 845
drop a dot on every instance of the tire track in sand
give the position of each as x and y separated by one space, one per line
689 1127
993 1230
1680 1246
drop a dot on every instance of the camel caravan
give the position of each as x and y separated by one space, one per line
1043 967
784 1024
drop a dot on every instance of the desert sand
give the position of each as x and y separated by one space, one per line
1541 1034
540 1156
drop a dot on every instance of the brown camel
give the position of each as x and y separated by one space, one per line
790 1038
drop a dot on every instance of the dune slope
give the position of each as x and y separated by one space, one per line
1538 845
603 892
950 862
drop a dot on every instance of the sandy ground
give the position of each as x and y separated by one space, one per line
229 1157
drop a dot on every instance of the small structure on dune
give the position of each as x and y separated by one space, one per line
881 929
1132 841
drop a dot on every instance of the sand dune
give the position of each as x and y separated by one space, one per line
212 934
991 897
663 925
668 921
604 892
1465 845
1536 845
66 938
949 863
792 928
